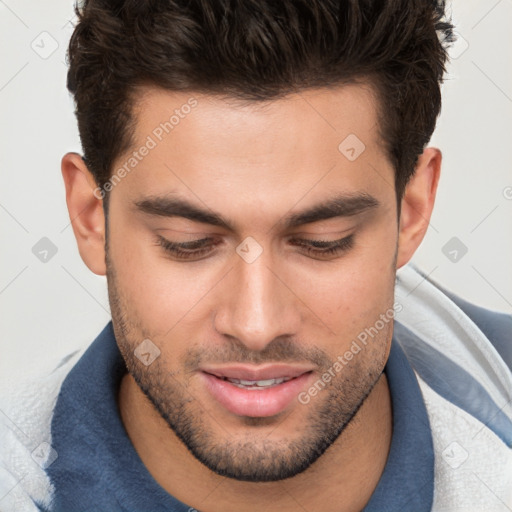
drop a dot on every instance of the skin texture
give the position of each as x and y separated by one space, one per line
254 164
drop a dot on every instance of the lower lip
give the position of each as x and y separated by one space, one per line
255 402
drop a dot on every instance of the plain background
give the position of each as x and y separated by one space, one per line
51 308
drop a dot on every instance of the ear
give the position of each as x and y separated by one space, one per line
85 206
417 204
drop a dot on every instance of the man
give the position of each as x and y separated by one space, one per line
254 175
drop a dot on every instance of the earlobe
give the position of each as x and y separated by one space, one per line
85 208
417 204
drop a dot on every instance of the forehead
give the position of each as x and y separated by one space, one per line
350 106
220 148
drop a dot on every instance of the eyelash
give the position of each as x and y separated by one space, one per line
195 249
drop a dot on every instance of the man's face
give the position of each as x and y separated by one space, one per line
272 306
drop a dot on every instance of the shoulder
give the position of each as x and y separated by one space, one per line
448 321
26 410
460 350
496 326
461 355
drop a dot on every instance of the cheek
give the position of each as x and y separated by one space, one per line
351 295
156 292
355 287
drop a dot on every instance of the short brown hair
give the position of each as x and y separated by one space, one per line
258 50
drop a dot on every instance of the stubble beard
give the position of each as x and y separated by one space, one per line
251 456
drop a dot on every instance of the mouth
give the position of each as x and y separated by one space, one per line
257 384
251 373
256 392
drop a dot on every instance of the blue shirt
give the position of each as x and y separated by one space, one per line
98 469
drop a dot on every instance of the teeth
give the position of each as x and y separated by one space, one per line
255 384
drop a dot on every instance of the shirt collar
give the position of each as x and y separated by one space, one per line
407 482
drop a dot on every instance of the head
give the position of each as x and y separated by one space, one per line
254 173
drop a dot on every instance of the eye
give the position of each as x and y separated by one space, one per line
323 248
192 250
196 249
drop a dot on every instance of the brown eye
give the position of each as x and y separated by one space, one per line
323 248
192 250
196 249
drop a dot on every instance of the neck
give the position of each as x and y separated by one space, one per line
342 479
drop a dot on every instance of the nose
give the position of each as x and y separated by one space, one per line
256 305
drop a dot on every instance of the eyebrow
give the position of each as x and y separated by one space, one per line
338 206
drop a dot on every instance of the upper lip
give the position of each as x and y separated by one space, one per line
251 372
